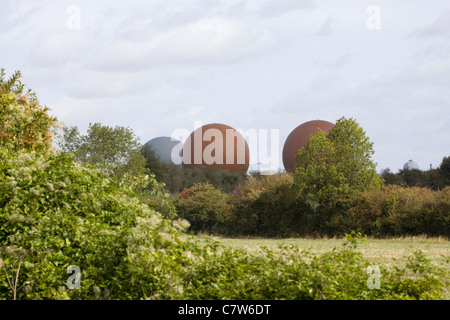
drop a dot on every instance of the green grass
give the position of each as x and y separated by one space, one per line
376 250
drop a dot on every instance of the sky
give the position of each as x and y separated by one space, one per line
158 66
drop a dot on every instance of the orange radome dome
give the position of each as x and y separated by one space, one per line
216 146
298 138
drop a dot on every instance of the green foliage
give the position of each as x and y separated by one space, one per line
270 206
331 168
351 239
152 162
207 209
444 170
397 211
24 123
159 200
317 176
413 178
266 206
55 213
263 205
354 152
114 150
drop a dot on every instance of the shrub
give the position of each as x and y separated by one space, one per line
397 211
207 209
267 205
55 213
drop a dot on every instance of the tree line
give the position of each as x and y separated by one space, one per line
434 179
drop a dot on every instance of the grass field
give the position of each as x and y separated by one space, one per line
376 250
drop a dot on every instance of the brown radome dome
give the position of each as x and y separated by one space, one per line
216 145
298 138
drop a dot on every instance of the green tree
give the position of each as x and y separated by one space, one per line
413 177
444 171
24 123
332 167
153 162
115 151
391 178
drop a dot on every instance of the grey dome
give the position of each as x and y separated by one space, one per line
411 165
163 147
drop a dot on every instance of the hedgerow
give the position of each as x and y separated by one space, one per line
267 206
397 211
206 208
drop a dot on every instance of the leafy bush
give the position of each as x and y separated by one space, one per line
267 205
55 213
159 201
207 209
397 211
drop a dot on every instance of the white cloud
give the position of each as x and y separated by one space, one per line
93 85
440 27
325 28
15 14
208 41
336 62
279 7
60 49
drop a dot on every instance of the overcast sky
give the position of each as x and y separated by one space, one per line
158 66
